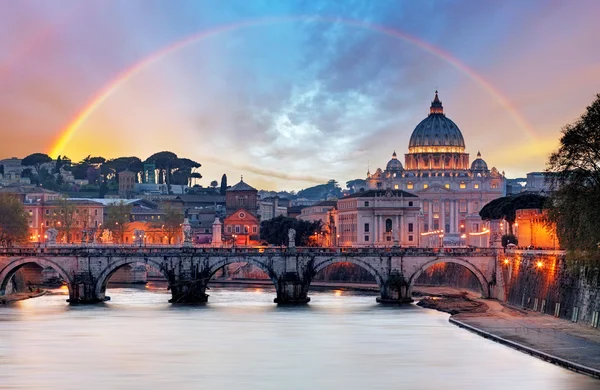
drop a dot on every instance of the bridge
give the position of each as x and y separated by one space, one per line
188 270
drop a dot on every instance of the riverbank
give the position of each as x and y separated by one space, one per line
6 299
561 342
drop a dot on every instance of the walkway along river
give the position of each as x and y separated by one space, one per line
340 340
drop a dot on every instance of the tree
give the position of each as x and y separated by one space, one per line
36 160
195 175
214 184
164 161
171 223
275 231
13 221
507 206
68 217
574 171
117 217
223 184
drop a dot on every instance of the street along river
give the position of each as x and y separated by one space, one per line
240 339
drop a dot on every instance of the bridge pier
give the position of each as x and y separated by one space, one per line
396 290
292 290
189 291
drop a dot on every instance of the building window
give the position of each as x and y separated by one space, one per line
436 207
425 207
228 229
462 185
436 224
425 186
410 204
462 206
96 212
410 186
447 228
158 217
396 186
426 227
47 212
388 225
47 223
76 211
410 238
366 204
475 227
410 227
96 223
494 185
254 229
476 185
237 228
366 238
152 217
447 185
366 228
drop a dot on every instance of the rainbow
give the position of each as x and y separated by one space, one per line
67 133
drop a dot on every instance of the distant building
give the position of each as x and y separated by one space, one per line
378 217
270 208
318 211
536 182
126 183
242 224
31 194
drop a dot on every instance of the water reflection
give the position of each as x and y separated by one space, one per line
241 339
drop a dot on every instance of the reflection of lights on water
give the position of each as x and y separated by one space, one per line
257 290
337 293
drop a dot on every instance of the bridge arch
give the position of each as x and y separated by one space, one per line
12 267
258 262
105 275
322 264
483 282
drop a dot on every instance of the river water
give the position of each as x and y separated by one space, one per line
341 340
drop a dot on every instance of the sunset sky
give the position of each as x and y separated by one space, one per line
292 93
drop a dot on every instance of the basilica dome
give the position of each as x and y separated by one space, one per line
479 165
436 131
394 164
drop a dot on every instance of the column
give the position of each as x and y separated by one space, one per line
430 217
452 216
398 229
443 215
374 227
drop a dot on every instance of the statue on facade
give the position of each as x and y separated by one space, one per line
138 236
291 238
51 236
396 237
187 232
84 235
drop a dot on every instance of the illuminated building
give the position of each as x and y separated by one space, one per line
436 169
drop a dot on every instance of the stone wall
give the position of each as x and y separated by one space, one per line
449 275
544 283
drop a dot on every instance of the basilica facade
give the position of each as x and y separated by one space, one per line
451 189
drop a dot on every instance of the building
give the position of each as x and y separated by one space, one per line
436 169
70 217
318 212
126 183
270 207
378 217
31 194
531 230
242 224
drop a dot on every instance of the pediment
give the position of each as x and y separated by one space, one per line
436 189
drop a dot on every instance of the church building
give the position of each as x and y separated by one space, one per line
450 190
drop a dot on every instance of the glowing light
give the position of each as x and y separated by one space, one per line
540 264
337 293
506 261
67 133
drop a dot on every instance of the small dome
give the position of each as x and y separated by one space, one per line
394 164
479 165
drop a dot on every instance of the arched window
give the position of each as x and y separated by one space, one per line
388 225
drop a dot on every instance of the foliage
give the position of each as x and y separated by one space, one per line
321 191
171 223
117 217
575 179
509 239
223 184
36 160
507 206
13 221
65 217
164 162
356 185
275 231
214 184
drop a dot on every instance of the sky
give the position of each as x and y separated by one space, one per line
292 93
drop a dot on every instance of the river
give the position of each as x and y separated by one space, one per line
341 340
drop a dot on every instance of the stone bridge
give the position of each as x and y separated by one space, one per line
87 270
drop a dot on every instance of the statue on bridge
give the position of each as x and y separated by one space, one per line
84 234
187 233
106 236
51 236
291 238
138 236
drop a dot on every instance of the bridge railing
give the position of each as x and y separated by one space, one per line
99 250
